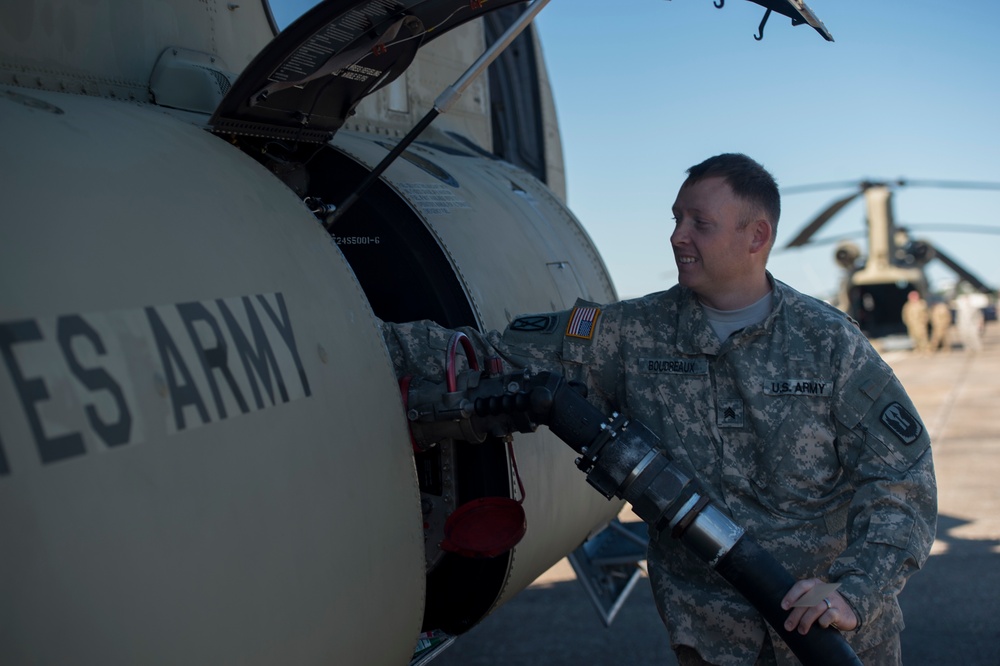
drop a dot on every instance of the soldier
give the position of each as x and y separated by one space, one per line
969 322
774 400
940 326
917 319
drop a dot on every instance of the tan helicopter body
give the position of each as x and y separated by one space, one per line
875 293
875 286
203 452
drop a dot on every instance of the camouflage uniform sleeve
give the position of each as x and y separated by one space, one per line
886 453
419 348
581 350
539 342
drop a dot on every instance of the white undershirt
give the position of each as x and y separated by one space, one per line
727 322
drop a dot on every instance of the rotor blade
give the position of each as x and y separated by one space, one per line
960 270
829 240
952 184
951 228
898 182
822 219
816 187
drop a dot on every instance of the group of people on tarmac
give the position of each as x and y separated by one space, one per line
930 327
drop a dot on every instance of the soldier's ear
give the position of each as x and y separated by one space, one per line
761 232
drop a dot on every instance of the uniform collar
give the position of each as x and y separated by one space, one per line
695 334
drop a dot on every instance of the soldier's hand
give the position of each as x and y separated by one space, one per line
832 611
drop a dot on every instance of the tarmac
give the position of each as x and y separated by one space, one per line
951 607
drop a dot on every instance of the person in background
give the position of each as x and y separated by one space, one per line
940 327
774 400
969 321
917 319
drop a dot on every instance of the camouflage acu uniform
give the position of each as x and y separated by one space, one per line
795 426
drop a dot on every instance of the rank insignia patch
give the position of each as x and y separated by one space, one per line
902 424
582 322
534 324
729 414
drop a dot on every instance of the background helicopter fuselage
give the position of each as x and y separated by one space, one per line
876 284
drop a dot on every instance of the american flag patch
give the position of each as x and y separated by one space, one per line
582 322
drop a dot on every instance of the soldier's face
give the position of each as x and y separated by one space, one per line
712 253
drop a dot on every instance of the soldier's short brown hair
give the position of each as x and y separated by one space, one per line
749 181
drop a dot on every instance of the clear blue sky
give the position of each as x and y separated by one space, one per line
646 88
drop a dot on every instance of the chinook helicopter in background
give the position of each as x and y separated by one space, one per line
204 455
875 286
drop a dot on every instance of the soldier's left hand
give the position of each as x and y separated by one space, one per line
832 611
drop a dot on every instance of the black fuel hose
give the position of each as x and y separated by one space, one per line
764 582
669 498
623 458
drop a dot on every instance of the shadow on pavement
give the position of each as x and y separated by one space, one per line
952 607
556 625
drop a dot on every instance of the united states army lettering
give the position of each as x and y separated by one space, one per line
811 387
211 360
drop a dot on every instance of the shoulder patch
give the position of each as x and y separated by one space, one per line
902 424
534 324
582 322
